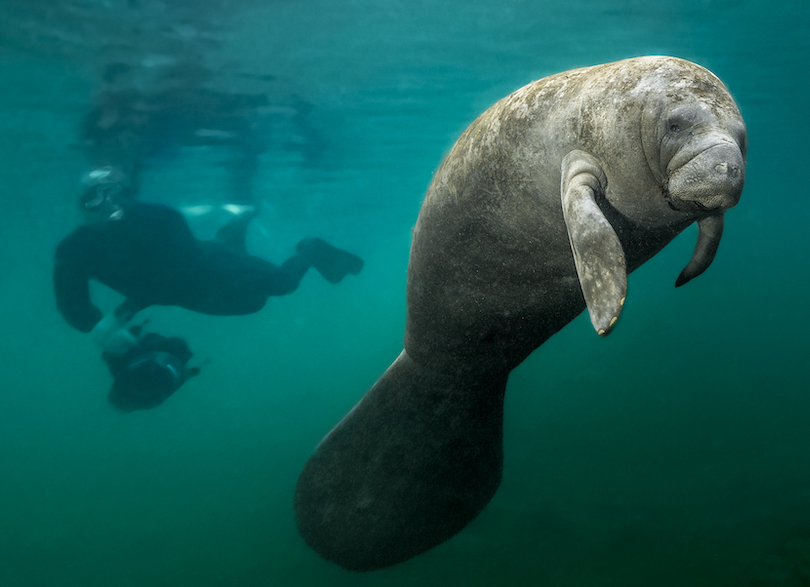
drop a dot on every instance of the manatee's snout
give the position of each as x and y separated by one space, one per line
711 180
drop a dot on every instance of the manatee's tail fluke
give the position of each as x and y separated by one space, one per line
710 230
411 465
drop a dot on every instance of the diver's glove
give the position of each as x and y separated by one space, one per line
112 334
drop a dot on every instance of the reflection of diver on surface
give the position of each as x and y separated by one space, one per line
147 252
127 126
147 369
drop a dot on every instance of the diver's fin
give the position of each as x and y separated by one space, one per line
598 253
411 465
233 234
331 262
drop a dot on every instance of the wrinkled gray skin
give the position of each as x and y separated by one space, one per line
544 205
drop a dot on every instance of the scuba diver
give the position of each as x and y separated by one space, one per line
146 368
147 252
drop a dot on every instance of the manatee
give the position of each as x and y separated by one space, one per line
541 209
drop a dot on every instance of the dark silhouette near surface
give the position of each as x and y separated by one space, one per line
139 118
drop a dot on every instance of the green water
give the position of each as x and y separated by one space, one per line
675 452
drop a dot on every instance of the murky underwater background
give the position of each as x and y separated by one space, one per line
675 452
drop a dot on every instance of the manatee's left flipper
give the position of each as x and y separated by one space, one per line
412 464
710 231
598 254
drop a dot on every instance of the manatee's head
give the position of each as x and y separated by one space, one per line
702 159
694 140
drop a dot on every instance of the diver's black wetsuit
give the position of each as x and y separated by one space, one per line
152 258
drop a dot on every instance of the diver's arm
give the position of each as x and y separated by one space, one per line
112 333
128 308
72 288
113 336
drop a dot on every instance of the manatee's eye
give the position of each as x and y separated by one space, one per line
674 126
678 121
686 118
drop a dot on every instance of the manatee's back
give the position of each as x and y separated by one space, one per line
491 274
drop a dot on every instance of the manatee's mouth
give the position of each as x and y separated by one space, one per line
681 205
706 179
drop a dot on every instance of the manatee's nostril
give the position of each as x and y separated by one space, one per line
728 170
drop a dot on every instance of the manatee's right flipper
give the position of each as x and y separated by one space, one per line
331 262
710 231
410 466
598 254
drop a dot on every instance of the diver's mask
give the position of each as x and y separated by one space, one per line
106 190
102 202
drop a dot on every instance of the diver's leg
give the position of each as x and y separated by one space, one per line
234 233
284 279
332 263
242 283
